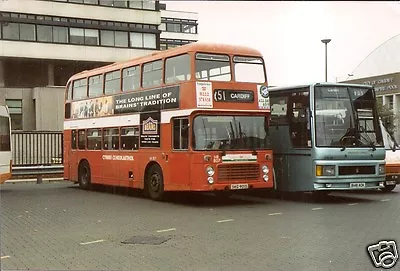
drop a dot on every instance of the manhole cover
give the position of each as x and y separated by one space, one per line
146 240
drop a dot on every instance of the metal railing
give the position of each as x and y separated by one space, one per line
37 153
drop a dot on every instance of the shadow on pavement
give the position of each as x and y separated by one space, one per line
200 199
331 198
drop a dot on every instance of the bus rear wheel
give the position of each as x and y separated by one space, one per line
84 175
388 188
155 183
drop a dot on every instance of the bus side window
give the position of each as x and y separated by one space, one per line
81 139
111 139
94 139
73 139
279 110
180 134
177 68
130 138
152 74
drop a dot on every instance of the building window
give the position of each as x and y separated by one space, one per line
121 39
27 32
45 33
84 36
189 28
142 40
149 41
77 35
11 31
91 37
15 107
60 34
173 27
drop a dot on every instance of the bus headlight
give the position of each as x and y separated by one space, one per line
265 169
210 180
382 169
265 177
210 171
325 170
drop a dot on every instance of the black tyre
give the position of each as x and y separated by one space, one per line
388 188
155 183
84 175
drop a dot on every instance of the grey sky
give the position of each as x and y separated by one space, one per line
289 33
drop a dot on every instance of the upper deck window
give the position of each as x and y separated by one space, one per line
249 69
79 89
95 86
213 67
152 74
112 82
177 68
131 78
69 92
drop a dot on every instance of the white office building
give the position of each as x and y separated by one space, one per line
44 42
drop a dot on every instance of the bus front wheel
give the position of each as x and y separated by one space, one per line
84 175
155 183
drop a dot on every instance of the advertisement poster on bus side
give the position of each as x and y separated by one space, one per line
97 107
150 129
146 101
204 96
263 97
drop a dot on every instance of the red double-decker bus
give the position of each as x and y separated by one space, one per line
193 118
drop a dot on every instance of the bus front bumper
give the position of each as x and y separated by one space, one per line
392 179
349 184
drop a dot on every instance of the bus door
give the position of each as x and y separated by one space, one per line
291 139
299 155
179 159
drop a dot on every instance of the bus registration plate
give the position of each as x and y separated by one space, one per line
239 186
357 185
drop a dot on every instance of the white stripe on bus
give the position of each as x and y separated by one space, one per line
133 119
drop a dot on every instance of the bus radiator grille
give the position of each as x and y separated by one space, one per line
239 172
356 170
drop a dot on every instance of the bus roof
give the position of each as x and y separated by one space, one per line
277 88
191 47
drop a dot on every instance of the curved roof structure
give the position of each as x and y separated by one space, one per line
383 60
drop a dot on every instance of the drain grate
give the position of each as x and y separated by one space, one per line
147 240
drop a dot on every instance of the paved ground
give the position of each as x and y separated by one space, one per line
56 226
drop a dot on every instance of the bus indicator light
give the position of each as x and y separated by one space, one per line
318 170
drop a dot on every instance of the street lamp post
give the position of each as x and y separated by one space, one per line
326 41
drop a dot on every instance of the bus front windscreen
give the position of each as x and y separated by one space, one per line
230 133
346 117
4 134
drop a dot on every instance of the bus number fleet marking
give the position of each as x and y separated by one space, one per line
117 157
